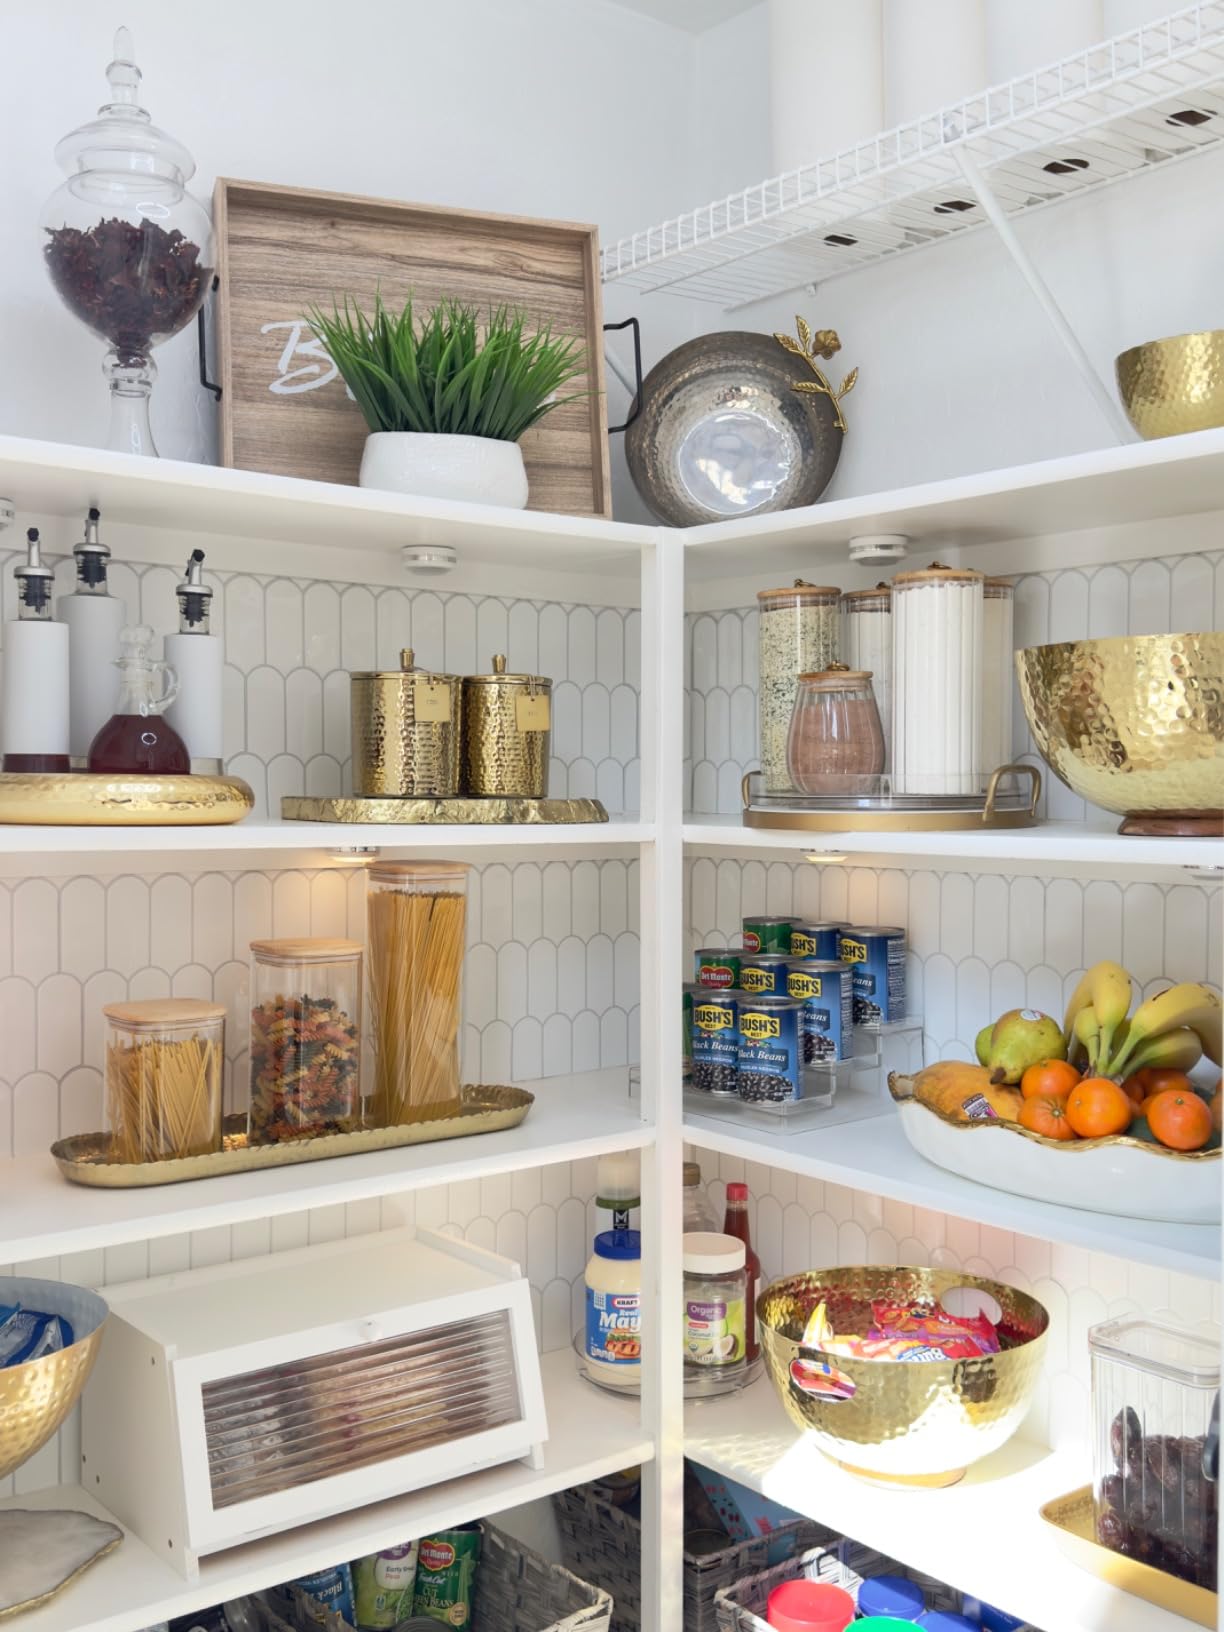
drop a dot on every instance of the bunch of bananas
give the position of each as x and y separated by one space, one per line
1174 1029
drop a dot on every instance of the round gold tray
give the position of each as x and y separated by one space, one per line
437 812
84 1158
897 813
83 799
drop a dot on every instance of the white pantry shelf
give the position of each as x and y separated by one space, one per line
256 835
42 1215
873 1155
1096 844
64 479
984 1536
1121 107
1106 487
589 1437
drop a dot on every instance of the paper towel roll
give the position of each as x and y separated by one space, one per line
1021 38
34 711
93 623
826 78
934 54
195 713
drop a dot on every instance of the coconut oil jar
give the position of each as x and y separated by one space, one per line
715 1299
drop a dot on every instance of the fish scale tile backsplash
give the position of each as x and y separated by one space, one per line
550 979
290 644
978 943
1076 603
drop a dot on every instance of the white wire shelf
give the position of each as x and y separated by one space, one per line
1129 104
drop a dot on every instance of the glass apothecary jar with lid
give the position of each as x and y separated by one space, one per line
797 634
836 743
416 913
165 1060
305 1039
128 249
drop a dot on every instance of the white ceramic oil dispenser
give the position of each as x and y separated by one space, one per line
34 713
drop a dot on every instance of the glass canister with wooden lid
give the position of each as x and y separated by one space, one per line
164 1064
866 643
836 745
416 915
797 634
937 617
405 732
507 722
305 1038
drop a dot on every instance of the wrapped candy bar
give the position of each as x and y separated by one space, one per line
26 1335
907 1333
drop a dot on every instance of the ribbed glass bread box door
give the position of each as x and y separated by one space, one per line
284 1426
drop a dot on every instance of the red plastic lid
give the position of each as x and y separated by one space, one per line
737 1192
810 1606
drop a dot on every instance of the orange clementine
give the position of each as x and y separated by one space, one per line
1098 1107
1182 1121
1050 1079
1135 1089
1154 1079
1047 1115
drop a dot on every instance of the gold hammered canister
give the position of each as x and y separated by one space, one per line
507 722
405 733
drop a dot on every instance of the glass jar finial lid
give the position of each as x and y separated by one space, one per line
123 137
128 249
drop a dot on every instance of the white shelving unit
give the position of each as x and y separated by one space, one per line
1140 100
504 1178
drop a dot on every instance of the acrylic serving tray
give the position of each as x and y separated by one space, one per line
83 1158
83 799
1008 799
433 812
1071 1518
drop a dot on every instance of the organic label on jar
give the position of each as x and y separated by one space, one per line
613 1327
532 713
431 702
713 1331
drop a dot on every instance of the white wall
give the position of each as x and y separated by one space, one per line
573 109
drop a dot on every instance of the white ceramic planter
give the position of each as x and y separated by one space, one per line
472 468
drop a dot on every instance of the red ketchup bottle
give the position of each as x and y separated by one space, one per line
736 1224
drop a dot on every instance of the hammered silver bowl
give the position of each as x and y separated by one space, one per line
723 432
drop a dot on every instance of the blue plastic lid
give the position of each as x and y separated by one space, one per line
619 1244
891 1595
998 1620
943 1620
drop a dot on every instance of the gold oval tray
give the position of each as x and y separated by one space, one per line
483 1109
1072 1517
436 812
83 799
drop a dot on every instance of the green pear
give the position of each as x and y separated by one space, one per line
1023 1037
981 1046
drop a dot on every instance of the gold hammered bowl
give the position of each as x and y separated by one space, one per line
1174 385
35 1398
1134 724
907 1422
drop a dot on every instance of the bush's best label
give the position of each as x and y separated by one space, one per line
770 1050
877 957
758 1028
714 1017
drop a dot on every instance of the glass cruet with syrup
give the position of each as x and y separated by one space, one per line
136 740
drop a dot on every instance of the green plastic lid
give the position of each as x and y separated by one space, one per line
883 1623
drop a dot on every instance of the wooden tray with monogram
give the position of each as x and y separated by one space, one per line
282 250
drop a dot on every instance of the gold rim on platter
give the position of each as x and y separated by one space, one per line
83 1159
84 799
901 1087
439 812
1072 1517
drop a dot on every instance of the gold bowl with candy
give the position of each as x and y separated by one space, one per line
907 1422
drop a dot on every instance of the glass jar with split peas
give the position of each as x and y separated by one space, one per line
305 1039
164 1064
416 914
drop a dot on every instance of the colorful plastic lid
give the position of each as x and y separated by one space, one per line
891 1595
809 1606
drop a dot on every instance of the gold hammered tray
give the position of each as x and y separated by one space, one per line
1072 1519
484 1109
436 812
83 799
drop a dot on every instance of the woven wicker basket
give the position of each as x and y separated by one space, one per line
741 1608
604 1544
516 1591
